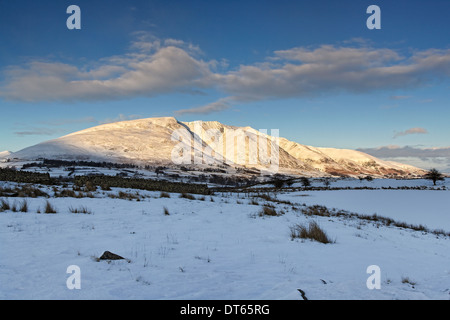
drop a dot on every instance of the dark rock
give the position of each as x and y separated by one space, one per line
303 294
110 256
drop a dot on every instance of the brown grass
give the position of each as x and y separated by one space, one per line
312 232
48 208
187 196
268 210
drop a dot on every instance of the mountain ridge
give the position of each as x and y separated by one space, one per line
158 141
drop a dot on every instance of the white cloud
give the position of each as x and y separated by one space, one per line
302 72
154 67
170 69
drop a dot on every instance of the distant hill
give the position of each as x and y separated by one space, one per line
5 154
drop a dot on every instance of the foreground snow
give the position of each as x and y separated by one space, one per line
223 249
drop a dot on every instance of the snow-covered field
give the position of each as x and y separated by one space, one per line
219 248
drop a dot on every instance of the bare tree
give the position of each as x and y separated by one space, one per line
305 182
278 183
434 175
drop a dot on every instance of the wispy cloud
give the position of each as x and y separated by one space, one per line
399 97
389 106
421 157
121 117
411 131
62 122
219 105
394 151
38 132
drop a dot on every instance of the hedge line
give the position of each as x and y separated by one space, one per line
106 182
25 177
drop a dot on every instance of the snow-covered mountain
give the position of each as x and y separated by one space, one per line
166 141
345 161
4 155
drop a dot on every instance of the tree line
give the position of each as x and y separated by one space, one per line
48 163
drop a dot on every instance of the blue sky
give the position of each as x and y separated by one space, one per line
311 69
